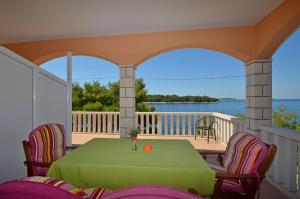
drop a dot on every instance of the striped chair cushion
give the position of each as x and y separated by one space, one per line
56 183
47 143
244 154
97 193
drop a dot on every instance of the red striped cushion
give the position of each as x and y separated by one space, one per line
47 143
97 193
57 183
244 154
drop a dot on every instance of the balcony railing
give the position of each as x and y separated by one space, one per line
156 123
284 172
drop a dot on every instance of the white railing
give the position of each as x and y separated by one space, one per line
156 123
95 122
227 125
284 172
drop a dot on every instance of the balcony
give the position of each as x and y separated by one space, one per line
281 177
31 96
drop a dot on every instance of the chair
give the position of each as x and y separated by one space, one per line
151 192
242 167
206 124
45 144
36 187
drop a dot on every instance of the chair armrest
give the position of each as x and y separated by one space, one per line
225 176
220 177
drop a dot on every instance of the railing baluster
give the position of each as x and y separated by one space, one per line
153 124
89 125
298 173
195 119
99 123
278 161
109 123
79 122
290 164
115 123
166 124
74 129
177 124
104 123
142 123
159 124
94 122
183 131
189 124
172 124
84 122
147 123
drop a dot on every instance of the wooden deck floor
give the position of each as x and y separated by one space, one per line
268 191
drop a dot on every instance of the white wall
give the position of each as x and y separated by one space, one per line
29 96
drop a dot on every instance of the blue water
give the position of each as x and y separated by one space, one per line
230 107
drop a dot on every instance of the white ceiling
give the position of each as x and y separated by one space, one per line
29 20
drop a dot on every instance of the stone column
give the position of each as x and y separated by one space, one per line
127 99
258 95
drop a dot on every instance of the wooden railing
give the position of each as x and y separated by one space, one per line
155 123
284 172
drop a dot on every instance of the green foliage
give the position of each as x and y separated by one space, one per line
77 95
285 119
176 98
282 118
96 97
242 116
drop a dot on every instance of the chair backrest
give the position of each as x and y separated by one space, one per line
244 154
47 143
151 192
40 187
207 121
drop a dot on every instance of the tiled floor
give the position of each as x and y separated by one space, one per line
268 191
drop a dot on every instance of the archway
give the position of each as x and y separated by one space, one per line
187 72
95 96
286 83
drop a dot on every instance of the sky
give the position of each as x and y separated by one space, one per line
193 72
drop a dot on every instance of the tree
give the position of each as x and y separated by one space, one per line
283 118
141 95
77 95
93 96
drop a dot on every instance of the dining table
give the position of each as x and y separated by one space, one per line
111 163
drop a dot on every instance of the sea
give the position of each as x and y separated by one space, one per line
226 106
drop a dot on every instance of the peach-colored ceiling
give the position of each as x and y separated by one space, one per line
245 43
34 20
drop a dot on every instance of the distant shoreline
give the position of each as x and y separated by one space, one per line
182 102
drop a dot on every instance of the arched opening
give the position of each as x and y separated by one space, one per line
95 93
95 82
173 77
286 95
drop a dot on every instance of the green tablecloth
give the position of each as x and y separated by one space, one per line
111 163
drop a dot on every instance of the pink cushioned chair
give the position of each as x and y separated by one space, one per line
242 167
151 192
38 187
46 144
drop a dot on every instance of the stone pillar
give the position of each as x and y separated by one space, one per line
258 95
127 99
